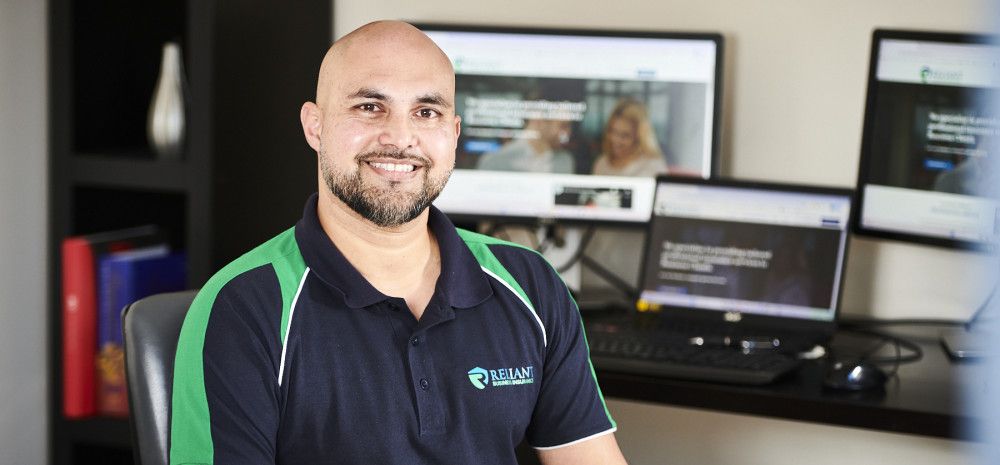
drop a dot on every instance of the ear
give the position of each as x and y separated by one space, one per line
312 124
458 126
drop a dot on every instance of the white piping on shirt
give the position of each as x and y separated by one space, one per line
592 436
288 329
545 339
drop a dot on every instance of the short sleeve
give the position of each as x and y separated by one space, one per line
570 406
226 408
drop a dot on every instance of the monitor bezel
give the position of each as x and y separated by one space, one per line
716 142
749 320
878 35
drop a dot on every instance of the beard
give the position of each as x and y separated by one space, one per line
385 206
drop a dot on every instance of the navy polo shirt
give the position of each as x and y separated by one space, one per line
288 355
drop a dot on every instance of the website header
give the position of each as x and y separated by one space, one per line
752 206
939 63
559 56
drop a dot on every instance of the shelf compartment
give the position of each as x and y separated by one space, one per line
127 172
107 432
97 209
116 50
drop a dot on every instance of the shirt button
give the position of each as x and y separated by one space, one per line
415 341
424 384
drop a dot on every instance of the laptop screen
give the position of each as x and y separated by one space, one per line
746 249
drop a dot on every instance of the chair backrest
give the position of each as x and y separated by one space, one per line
151 328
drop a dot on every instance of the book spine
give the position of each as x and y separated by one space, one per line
116 290
79 338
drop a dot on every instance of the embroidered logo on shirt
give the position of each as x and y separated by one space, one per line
481 378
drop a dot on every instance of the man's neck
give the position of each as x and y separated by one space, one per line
540 147
403 261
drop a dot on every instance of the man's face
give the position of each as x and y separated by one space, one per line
389 134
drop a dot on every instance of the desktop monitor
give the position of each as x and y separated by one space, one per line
929 136
575 125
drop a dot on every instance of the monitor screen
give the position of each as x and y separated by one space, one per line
766 250
575 125
930 134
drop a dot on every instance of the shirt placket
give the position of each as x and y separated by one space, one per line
423 377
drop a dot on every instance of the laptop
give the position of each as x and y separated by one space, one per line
750 272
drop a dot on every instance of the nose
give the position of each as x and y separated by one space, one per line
398 132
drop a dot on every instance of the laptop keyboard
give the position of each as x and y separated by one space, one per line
673 356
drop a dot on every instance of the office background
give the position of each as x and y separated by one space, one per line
793 102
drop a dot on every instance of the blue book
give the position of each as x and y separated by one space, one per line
126 277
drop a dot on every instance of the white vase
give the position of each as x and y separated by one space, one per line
165 125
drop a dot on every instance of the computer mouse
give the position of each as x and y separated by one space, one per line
855 375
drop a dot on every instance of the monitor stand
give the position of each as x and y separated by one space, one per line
974 339
562 247
963 343
558 255
588 297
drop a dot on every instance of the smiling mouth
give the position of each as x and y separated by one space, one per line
393 167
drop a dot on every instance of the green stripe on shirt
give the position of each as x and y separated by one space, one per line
190 428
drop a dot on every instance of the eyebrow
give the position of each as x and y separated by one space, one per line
433 98
366 92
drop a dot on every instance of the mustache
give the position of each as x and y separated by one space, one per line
399 155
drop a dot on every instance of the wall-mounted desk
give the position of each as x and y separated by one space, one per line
925 398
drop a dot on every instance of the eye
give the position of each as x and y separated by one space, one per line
368 107
428 113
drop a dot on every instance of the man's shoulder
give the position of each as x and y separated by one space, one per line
280 256
505 258
475 240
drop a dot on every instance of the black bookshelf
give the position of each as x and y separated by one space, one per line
245 171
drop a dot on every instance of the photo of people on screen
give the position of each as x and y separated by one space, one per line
581 126
629 146
540 150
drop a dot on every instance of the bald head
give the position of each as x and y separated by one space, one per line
383 45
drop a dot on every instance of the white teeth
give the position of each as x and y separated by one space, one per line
393 167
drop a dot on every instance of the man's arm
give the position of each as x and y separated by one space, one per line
225 397
601 450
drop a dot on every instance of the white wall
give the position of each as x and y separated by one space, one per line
23 206
793 103
794 97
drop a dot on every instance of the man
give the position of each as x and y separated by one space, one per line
373 331
540 151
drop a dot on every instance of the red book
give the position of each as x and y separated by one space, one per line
79 310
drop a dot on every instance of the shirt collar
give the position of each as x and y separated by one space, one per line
462 283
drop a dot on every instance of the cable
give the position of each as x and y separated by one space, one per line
916 353
982 308
588 234
630 292
579 255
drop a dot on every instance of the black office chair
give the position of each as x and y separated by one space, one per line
151 328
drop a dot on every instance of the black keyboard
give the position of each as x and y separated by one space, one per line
674 356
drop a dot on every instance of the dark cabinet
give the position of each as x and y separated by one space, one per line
245 170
